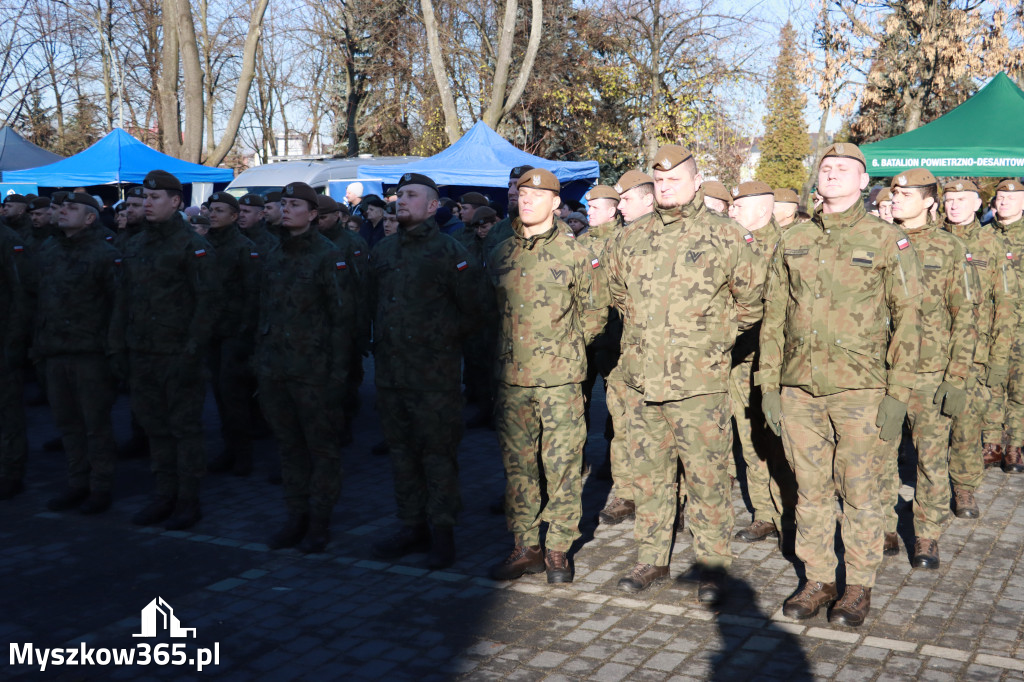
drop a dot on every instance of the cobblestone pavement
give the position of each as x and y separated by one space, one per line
66 579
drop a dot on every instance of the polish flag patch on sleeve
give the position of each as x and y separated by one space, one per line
595 263
462 266
200 253
359 253
1009 256
969 258
117 261
903 243
254 254
18 248
748 237
340 265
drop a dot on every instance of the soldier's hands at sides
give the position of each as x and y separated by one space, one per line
995 376
952 399
771 405
891 414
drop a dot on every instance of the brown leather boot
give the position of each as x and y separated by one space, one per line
807 602
558 568
757 531
891 546
521 560
643 576
853 608
992 454
617 511
964 504
926 554
1013 461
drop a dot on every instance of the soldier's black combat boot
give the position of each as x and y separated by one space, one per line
97 503
69 499
408 540
442 548
157 511
291 533
186 514
317 536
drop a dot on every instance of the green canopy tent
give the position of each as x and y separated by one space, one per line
983 137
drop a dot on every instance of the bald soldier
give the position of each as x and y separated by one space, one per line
981 424
787 204
753 205
687 284
716 197
839 356
948 339
1009 224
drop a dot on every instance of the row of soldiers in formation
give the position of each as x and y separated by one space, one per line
850 326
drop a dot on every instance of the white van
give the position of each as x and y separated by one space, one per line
317 173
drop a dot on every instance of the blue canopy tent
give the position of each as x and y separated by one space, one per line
480 160
16 152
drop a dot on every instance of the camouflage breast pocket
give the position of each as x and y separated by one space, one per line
862 257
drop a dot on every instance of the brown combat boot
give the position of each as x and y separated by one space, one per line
617 511
853 608
643 576
807 602
558 568
992 454
926 554
1013 461
964 504
522 560
757 531
891 546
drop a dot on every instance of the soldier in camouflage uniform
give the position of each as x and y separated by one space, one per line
838 288
272 215
787 204
428 296
15 315
1009 224
996 315
752 207
686 284
552 300
716 197
252 224
135 217
949 287
72 339
304 339
503 230
478 349
165 313
231 345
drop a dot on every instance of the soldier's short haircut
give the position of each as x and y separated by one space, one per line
646 189
95 214
690 165
929 191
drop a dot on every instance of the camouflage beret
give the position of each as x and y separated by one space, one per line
602 192
716 190
631 179
482 215
223 198
752 189
416 179
300 190
961 186
136 192
1010 185
160 179
540 178
884 195
38 203
326 204
15 199
273 197
784 195
199 220
251 200
915 177
57 198
518 171
670 156
81 198
846 150
474 198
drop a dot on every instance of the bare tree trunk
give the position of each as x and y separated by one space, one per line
812 176
170 123
451 114
192 148
532 48
507 32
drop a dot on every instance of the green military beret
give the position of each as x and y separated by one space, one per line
326 204
716 190
915 177
199 220
251 200
961 186
518 171
670 156
474 199
57 198
416 179
846 150
784 195
752 189
15 199
540 178
136 192
1010 185
483 215
631 179
300 190
602 192
223 198
81 198
38 203
161 179
273 197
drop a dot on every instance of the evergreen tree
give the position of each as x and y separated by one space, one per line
785 143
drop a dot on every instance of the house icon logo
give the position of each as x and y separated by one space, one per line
159 615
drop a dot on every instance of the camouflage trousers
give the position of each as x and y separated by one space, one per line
762 450
81 392
930 433
13 427
972 428
233 386
616 393
423 430
1013 417
301 417
541 432
697 432
167 393
833 445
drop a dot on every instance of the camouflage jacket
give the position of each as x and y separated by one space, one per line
307 312
833 285
168 297
948 291
553 300
998 292
259 235
501 231
28 270
75 305
686 281
749 340
427 295
238 269
122 237
598 239
355 252
13 310
1013 235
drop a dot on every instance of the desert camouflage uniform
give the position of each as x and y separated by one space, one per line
685 281
833 285
552 300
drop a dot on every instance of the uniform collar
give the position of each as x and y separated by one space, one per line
1004 227
847 218
86 236
529 242
300 242
606 229
688 211
962 230
223 235
419 232
167 227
